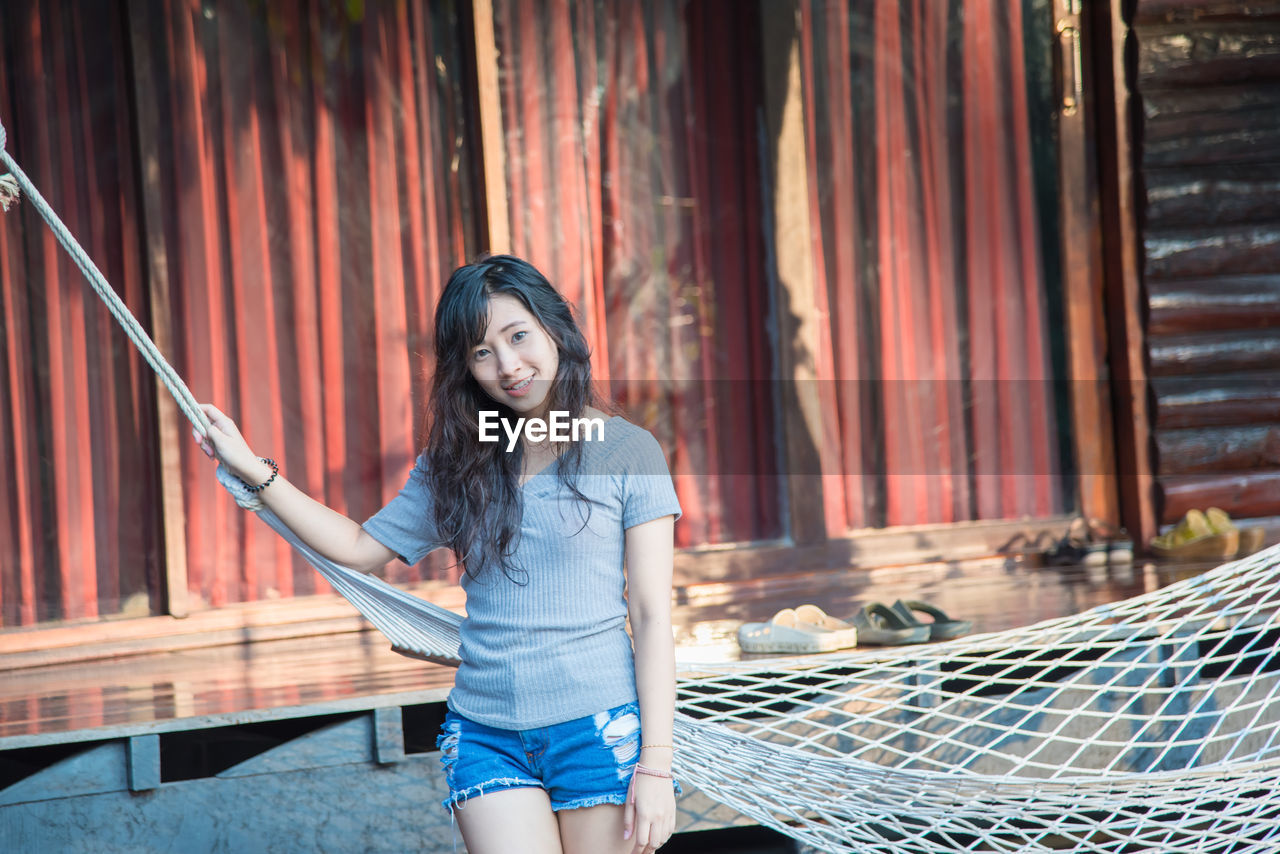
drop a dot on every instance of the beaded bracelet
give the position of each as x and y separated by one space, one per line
667 746
275 470
652 772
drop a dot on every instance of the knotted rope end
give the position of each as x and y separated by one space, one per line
10 193
238 488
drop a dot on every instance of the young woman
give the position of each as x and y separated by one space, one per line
558 736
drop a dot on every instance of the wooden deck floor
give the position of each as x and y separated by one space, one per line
78 701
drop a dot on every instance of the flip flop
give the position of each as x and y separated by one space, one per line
880 625
785 633
941 628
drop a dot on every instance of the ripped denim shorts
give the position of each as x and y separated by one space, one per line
581 763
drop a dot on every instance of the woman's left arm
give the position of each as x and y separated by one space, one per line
651 806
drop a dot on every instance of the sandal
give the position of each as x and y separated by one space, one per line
1024 550
1250 539
942 627
880 625
786 633
1194 538
811 616
1092 542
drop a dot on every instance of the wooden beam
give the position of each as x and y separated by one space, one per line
388 735
1091 422
1252 248
1223 302
1219 352
491 133
1196 53
1190 402
1122 264
328 614
170 425
1179 11
1244 495
143 759
301 616
1225 449
1211 196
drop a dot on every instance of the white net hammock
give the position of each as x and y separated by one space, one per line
1147 725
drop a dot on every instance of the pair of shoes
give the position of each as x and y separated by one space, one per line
805 629
1091 542
1024 550
1208 534
884 625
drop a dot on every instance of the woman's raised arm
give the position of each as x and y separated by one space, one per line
340 539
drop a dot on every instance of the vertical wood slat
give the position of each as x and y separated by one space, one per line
707 177
248 282
328 159
103 444
1091 420
169 421
1041 454
837 352
594 306
897 247
57 168
700 454
491 145
940 298
302 401
813 510
1135 483
387 268
23 511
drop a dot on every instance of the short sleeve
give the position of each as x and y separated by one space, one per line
647 491
407 524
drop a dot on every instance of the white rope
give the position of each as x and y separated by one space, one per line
412 624
1146 725
186 402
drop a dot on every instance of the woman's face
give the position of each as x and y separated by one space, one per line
516 362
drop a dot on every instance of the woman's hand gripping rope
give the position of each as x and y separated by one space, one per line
330 533
225 444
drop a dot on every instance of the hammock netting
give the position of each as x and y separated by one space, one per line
1147 725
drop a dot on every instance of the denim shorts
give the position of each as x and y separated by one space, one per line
581 763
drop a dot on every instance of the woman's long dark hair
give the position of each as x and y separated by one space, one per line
476 485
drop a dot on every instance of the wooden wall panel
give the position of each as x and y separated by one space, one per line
1208 74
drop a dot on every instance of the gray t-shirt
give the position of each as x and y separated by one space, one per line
554 647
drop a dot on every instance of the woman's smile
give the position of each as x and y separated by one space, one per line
521 388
